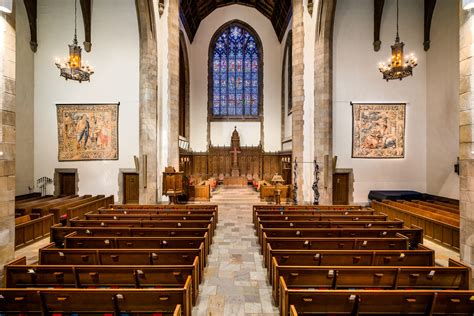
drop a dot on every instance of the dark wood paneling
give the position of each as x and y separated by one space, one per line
340 189
130 188
67 183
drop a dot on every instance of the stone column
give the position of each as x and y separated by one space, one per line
466 135
323 98
173 83
7 137
148 102
298 93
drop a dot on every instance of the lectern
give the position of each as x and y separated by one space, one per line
173 184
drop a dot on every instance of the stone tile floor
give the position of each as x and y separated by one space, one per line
235 281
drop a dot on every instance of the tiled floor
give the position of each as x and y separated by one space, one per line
235 280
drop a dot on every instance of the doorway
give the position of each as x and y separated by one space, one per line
130 188
65 182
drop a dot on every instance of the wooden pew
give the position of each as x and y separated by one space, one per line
322 218
26 208
437 230
398 243
61 210
80 210
198 208
20 275
414 234
58 232
309 213
72 241
304 208
329 224
32 230
354 258
96 301
49 255
44 209
373 302
28 196
455 277
144 223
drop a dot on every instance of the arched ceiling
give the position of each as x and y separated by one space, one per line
192 12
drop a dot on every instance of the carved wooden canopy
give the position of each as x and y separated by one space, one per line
192 12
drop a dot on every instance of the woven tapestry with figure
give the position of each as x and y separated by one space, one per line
378 130
87 132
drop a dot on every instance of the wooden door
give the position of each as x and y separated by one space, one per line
130 188
67 183
340 189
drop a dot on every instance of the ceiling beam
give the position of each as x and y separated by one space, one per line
378 11
32 12
86 8
429 10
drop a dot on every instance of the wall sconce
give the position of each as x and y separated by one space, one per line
468 4
161 7
310 7
6 6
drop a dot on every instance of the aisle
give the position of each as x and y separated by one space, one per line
235 280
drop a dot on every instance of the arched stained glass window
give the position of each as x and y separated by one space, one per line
235 72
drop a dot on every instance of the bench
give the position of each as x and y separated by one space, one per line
455 277
398 243
72 241
49 255
61 210
31 230
414 234
437 230
387 258
198 208
80 210
96 301
373 302
20 275
59 232
309 213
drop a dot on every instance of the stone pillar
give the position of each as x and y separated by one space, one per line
323 98
7 137
298 93
148 102
466 135
173 83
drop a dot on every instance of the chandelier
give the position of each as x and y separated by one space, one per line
71 67
398 66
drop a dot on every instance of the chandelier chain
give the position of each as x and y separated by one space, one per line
75 21
397 21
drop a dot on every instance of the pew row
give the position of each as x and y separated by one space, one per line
96 301
437 230
49 255
354 258
455 277
269 243
20 275
373 302
32 228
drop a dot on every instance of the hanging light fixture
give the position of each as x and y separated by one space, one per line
71 67
398 67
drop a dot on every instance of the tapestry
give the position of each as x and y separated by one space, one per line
87 132
378 130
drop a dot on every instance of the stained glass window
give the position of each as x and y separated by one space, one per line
235 73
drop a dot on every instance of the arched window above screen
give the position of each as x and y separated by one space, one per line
235 73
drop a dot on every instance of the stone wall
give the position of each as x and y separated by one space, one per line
7 137
466 132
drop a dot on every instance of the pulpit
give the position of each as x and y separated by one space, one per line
173 184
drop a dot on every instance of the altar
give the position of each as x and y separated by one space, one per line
235 164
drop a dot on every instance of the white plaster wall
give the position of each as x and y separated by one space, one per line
198 60
357 79
442 101
24 104
115 56
221 133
